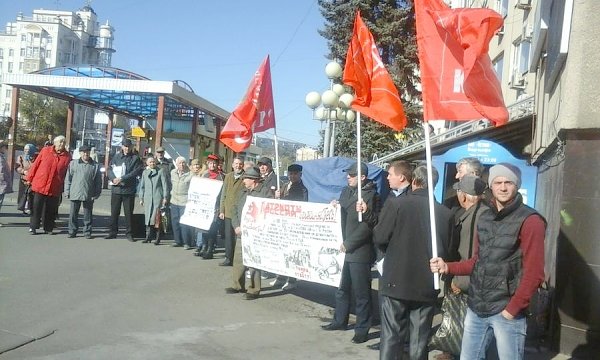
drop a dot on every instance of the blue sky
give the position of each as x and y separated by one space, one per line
215 46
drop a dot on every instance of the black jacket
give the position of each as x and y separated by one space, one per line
405 238
133 169
295 192
358 236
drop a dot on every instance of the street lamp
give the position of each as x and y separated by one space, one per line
331 106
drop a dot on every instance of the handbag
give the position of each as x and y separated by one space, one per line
539 315
448 337
165 215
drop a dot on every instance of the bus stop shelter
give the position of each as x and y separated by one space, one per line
116 92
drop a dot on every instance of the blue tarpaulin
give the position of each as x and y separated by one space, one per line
325 178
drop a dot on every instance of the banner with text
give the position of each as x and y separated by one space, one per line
292 238
202 198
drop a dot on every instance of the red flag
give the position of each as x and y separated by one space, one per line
375 93
255 113
458 80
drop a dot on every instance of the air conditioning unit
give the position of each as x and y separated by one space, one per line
527 32
524 4
517 81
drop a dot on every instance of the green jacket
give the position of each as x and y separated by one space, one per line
230 193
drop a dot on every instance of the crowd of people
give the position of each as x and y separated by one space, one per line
490 245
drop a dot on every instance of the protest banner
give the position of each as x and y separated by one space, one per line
292 238
200 207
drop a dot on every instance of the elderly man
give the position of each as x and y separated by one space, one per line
506 268
123 171
268 175
253 186
232 187
47 179
181 176
407 294
294 191
358 246
83 185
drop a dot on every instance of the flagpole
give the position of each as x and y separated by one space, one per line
276 156
434 250
358 163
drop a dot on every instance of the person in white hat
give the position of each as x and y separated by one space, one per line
506 268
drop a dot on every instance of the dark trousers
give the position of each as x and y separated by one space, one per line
116 201
356 277
182 234
229 239
44 208
400 318
88 206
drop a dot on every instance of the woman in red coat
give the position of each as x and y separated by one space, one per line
47 179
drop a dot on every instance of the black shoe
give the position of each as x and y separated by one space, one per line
130 238
207 256
230 290
226 263
156 242
145 241
374 346
71 236
111 236
249 296
88 236
332 326
176 245
360 338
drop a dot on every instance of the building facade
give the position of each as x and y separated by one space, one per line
51 38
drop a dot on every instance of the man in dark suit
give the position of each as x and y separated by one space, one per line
358 246
407 293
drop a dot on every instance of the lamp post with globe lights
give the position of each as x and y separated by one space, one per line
331 106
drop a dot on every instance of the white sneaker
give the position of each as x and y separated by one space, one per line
278 282
289 286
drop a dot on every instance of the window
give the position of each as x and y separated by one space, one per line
8 93
498 66
48 53
23 37
502 7
1 53
11 52
521 57
28 52
10 67
21 66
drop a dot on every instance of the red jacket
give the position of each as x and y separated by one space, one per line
47 174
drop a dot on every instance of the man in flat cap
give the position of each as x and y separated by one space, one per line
506 268
253 186
83 185
268 175
123 171
165 164
294 190
232 187
358 246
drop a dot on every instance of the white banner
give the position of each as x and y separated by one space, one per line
202 198
293 238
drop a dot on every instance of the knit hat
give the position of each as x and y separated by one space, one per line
506 170
471 185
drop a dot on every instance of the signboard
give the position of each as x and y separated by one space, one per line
202 198
293 238
489 154
117 137
101 118
138 132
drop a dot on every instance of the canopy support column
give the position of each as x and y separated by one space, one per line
107 149
194 137
12 131
160 122
69 124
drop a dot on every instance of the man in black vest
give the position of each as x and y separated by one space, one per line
506 269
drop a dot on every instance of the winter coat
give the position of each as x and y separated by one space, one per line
47 174
5 176
232 190
180 185
358 236
83 181
153 191
133 168
405 238
22 166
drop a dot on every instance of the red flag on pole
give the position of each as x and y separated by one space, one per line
458 80
255 113
375 93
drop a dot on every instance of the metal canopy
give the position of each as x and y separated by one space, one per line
114 90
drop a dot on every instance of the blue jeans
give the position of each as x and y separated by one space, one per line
480 331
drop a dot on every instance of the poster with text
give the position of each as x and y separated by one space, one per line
293 238
202 198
